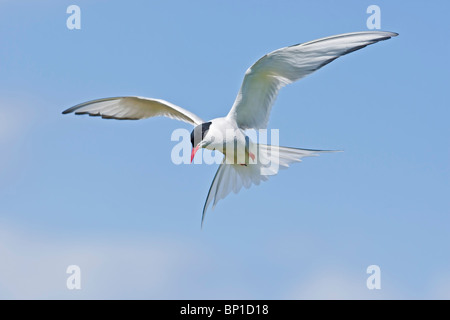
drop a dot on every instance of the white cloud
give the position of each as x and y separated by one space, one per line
14 119
34 267
15 122
440 286
6 124
331 284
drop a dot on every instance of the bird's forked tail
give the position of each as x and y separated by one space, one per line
268 161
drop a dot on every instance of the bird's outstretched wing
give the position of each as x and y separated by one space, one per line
134 108
269 74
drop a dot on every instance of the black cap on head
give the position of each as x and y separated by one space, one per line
199 133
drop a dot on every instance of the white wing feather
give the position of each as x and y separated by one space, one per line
134 108
269 74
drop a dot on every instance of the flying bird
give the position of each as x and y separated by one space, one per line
251 110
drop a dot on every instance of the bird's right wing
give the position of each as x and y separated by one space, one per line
264 79
134 108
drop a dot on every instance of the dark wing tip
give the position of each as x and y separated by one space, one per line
67 111
74 108
78 106
203 215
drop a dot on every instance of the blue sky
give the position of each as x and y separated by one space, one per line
105 195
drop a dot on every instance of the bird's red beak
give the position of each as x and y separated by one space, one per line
194 151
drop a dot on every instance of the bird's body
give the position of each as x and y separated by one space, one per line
225 136
245 162
218 130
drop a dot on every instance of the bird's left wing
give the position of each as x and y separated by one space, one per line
265 78
134 108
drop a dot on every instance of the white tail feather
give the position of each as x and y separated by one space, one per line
232 177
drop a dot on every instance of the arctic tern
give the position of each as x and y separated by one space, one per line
251 110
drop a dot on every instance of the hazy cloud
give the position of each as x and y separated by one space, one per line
34 266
